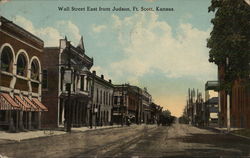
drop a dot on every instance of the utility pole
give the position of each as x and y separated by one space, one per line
122 105
228 102
91 100
68 86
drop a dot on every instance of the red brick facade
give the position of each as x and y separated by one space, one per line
239 103
50 90
20 76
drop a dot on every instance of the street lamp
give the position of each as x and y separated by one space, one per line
68 81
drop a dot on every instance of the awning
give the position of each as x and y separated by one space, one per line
37 102
7 102
25 106
31 104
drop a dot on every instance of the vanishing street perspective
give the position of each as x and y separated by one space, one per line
149 79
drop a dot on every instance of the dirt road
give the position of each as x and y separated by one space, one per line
135 141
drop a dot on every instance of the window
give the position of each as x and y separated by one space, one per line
104 97
109 99
45 79
87 83
6 59
82 83
101 97
34 70
121 100
97 95
115 99
21 65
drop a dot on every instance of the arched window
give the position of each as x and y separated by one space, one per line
21 65
6 59
34 70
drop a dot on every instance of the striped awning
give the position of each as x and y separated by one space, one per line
38 103
7 102
28 101
25 106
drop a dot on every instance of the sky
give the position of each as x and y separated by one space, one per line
164 51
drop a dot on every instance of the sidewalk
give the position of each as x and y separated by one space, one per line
5 136
232 131
224 130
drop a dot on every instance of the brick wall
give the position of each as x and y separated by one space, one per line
50 95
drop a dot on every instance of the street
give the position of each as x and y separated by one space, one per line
135 141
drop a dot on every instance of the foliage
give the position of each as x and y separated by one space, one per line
184 120
230 38
166 118
166 113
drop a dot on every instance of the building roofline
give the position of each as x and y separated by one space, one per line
103 80
5 20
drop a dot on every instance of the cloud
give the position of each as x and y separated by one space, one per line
51 34
98 28
70 29
3 1
101 71
149 44
150 0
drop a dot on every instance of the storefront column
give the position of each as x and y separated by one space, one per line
17 119
11 121
80 114
21 127
77 113
39 120
63 111
73 112
29 120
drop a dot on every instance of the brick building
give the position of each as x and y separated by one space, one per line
20 78
239 102
60 77
127 104
102 102
146 102
156 111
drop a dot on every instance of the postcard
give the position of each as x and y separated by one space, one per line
123 78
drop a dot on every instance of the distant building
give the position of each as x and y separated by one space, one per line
20 78
156 111
59 78
102 103
196 110
239 102
127 104
146 102
213 111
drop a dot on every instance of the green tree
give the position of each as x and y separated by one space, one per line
230 38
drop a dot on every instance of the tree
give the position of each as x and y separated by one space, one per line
166 118
230 38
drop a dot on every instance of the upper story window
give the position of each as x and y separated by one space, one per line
82 83
45 79
104 97
97 96
35 70
115 99
6 59
21 65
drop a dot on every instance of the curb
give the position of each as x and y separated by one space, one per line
237 135
11 141
225 132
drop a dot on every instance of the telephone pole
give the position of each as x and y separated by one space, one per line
68 87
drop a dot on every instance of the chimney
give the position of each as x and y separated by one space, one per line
102 76
94 72
110 81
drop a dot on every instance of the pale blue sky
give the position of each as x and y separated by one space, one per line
163 51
